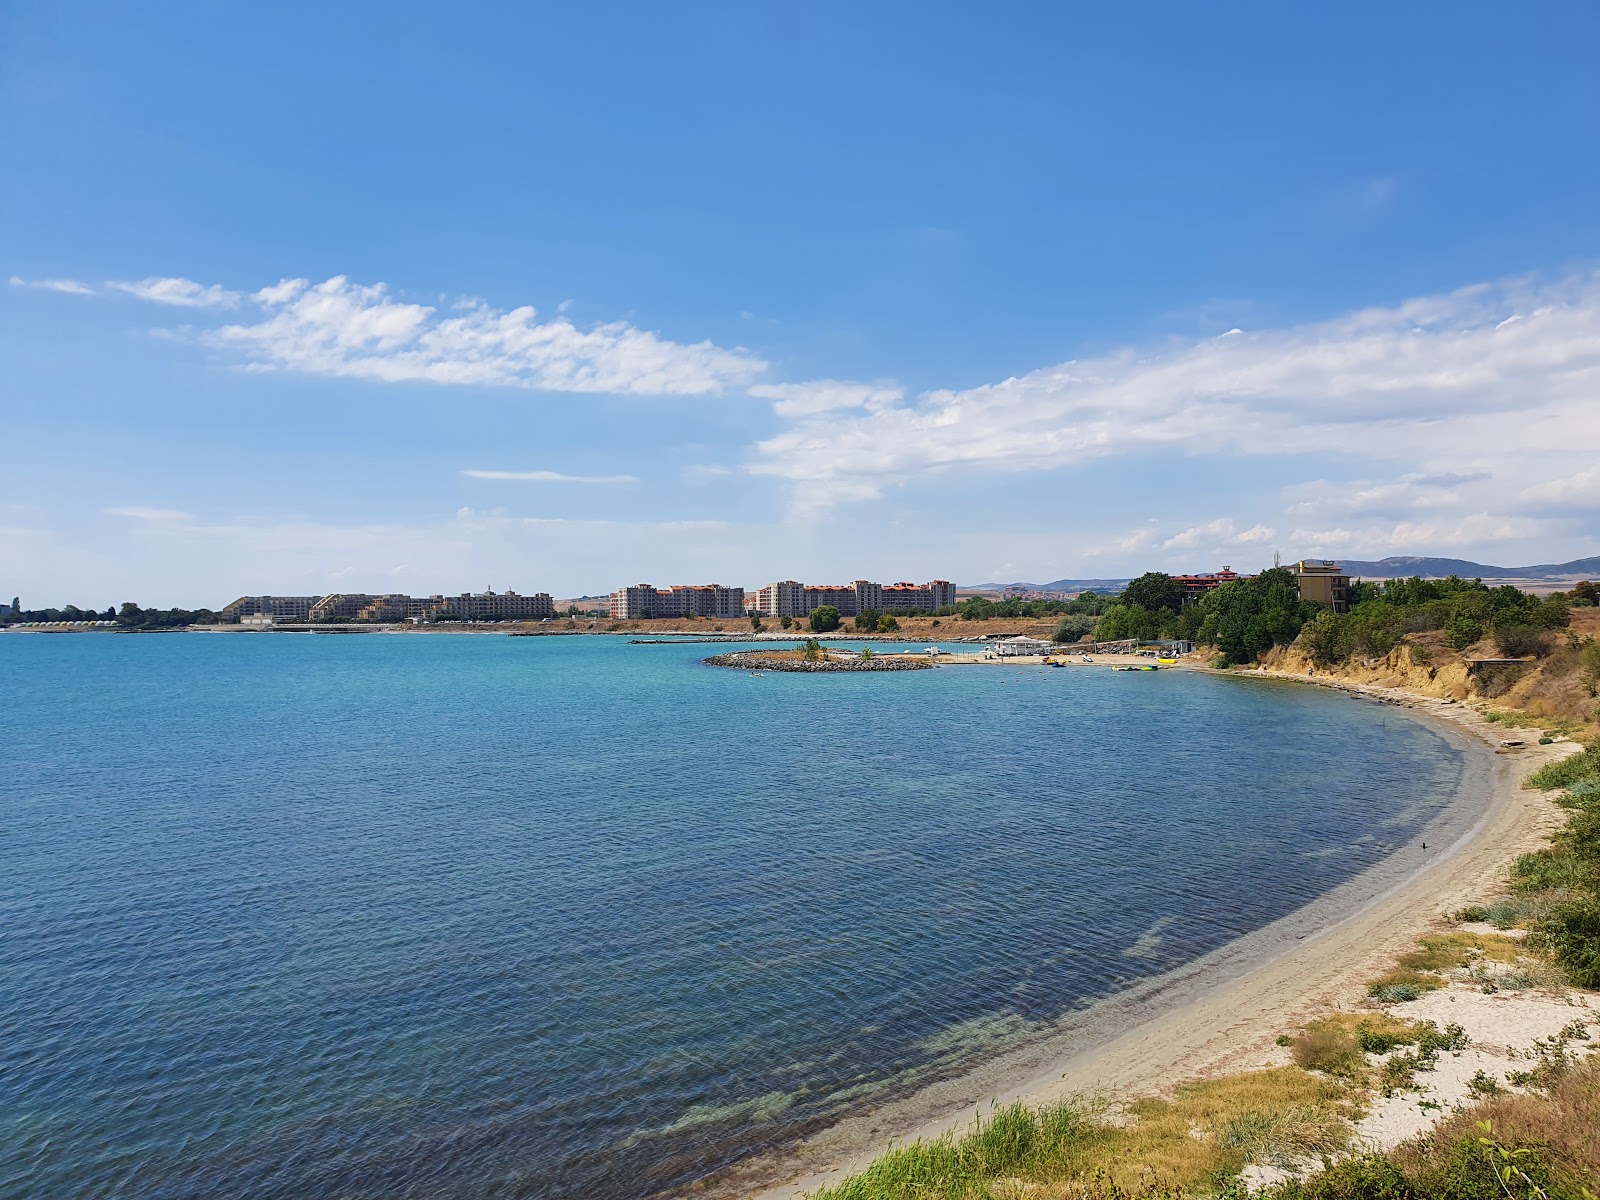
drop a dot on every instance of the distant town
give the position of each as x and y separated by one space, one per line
788 599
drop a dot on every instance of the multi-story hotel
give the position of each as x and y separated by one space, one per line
642 601
1195 586
280 608
360 606
1324 582
789 598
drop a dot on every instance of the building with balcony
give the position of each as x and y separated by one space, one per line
1323 582
280 608
1195 586
789 598
642 601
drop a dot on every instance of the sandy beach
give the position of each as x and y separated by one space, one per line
1222 1013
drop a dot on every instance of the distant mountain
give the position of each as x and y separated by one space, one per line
1403 566
1060 585
1398 567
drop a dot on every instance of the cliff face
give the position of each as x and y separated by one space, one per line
1553 687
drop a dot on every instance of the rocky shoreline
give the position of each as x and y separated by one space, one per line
766 660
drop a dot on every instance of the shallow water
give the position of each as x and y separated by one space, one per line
472 916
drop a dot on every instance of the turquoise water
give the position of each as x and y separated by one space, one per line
472 916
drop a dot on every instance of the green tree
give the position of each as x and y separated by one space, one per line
867 619
1463 631
786 622
1154 591
1326 638
812 651
887 624
755 623
1072 629
1122 621
824 619
1246 617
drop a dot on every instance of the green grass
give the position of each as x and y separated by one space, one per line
1010 1141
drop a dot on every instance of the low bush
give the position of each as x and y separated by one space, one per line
1519 641
1572 932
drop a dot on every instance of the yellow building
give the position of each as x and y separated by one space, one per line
1323 582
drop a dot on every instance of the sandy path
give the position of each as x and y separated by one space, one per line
1208 1027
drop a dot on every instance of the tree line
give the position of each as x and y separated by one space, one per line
129 616
1244 618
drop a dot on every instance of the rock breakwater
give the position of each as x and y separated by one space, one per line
767 660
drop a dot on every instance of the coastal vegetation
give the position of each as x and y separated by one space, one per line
1244 618
129 617
1532 1132
1558 888
824 619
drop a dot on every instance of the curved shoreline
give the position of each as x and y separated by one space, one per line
1220 1012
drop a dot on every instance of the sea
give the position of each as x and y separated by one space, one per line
294 917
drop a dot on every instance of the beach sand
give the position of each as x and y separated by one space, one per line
1222 1013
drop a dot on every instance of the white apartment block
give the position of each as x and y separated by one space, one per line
281 608
788 598
642 601
469 606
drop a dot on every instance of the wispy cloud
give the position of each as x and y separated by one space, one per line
70 287
1440 377
361 331
140 513
358 330
828 395
183 293
548 477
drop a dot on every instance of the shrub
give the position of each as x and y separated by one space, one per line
1072 629
1327 638
1578 768
824 619
1393 993
1519 641
887 624
1463 631
1572 932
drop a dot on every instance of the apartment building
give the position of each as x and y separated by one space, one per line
497 606
279 608
1325 582
642 601
789 598
1195 586
395 606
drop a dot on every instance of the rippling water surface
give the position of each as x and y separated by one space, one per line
455 916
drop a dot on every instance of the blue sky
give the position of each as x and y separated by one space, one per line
398 297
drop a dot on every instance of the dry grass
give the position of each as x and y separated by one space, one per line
1450 951
1565 1122
1405 977
1205 1133
1332 1044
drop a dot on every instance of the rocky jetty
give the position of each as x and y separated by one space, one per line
789 660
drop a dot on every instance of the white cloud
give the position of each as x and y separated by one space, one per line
139 513
70 287
1437 377
1580 490
1413 492
548 477
828 395
184 293
359 331
1212 531
1423 537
